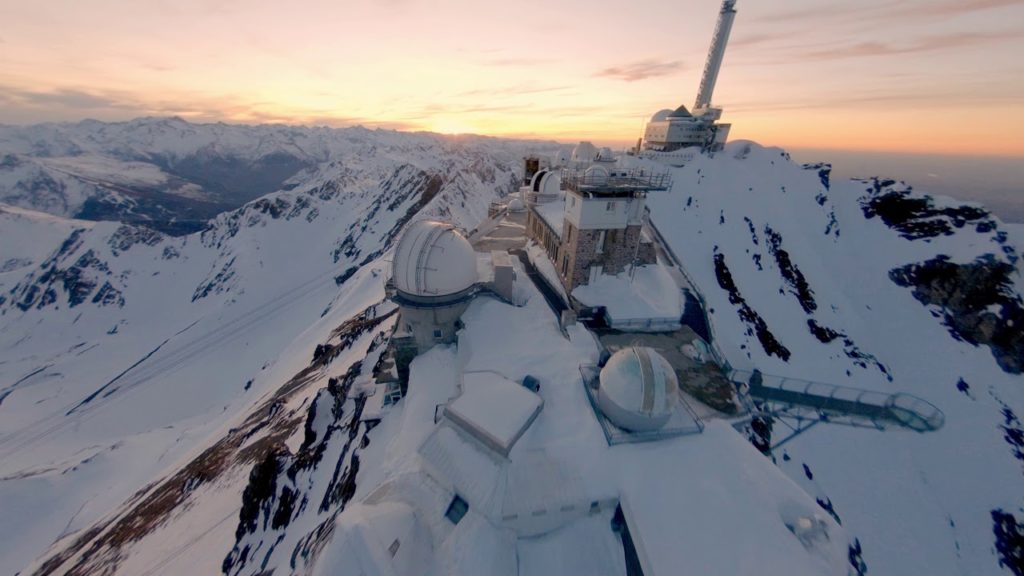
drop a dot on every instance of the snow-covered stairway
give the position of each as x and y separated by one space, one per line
832 403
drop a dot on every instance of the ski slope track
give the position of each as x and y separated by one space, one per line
189 403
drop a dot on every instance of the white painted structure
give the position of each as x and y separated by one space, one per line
584 153
544 187
604 213
433 260
638 389
434 272
672 130
715 55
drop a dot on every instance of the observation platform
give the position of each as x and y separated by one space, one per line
804 399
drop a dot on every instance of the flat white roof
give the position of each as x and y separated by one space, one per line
494 409
713 505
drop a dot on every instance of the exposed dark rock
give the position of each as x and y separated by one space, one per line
824 173
756 324
790 273
822 333
1009 534
856 557
916 218
967 295
127 236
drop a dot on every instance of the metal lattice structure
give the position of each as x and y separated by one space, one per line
808 403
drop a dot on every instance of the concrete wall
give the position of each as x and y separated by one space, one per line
600 213
429 326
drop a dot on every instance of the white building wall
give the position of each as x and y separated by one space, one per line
594 213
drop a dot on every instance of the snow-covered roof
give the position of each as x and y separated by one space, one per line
433 259
638 389
494 409
382 539
717 506
648 295
554 214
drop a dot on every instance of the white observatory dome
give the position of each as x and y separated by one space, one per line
537 178
606 155
584 152
595 175
560 158
638 389
661 115
516 205
433 259
546 184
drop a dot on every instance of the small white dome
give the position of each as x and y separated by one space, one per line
638 389
661 115
560 158
516 205
595 175
433 259
584 152
606 155
552 183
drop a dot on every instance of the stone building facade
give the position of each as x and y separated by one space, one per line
600 233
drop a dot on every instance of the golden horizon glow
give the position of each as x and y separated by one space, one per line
935 76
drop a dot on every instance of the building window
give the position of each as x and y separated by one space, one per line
438 334
601 238
609 207
457 509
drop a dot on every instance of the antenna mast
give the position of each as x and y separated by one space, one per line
715 54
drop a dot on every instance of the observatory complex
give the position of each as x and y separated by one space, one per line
589 219
672 130
527 415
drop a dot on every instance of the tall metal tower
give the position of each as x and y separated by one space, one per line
715 54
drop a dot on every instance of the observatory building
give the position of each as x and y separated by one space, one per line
637 390
433 277
672 130
594 226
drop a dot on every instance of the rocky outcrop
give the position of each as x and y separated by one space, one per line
976 302
917 217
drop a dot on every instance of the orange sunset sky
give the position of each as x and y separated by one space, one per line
940 76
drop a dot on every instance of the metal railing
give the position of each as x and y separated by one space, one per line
830 399
636 179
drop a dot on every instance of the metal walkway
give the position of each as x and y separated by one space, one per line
806 400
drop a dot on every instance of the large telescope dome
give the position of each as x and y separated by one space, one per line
432 260
638 389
